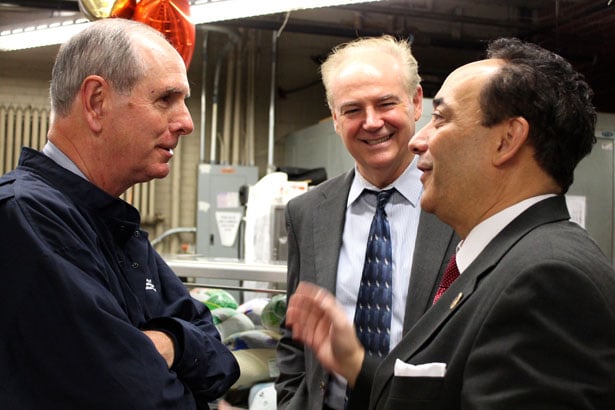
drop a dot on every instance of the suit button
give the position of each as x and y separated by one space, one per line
323 385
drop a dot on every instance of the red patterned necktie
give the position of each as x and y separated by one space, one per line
450 274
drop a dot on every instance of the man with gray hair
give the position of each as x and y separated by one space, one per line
92 317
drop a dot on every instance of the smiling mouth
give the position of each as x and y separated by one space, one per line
379 140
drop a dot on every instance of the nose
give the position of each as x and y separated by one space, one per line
418 143
183 124
372 119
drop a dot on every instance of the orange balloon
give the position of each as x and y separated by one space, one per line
170 17
123 9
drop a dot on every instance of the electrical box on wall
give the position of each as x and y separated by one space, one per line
220 209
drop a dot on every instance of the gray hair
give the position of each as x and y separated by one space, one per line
103 48
399 49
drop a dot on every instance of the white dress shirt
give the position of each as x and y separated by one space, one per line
403 211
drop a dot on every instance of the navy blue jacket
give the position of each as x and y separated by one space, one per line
80 282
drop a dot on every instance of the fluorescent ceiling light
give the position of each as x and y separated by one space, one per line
220 10
55 31
41 34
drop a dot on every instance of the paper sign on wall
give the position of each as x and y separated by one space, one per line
228 226
577 206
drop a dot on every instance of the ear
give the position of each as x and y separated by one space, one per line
417 101
335 125
93 93
514 136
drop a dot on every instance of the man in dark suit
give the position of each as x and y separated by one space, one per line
530 321
373 92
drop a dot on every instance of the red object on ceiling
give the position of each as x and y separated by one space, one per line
123 9
170 17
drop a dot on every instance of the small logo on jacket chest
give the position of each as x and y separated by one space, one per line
149 285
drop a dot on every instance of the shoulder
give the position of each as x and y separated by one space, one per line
32 204
326 190
31 191
558 259
560 240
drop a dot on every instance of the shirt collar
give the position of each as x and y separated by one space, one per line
122 217
408 184
61 159
483 233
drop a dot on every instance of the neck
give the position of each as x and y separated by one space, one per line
79 150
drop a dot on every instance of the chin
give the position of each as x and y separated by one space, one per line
161 175
427 203
160 171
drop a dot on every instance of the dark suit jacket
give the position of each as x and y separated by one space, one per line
315 222
530 324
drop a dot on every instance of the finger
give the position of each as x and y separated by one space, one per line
312 315
306 312
303 294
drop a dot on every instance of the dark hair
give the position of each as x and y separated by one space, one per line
543 88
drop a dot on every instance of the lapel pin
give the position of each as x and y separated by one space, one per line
456 301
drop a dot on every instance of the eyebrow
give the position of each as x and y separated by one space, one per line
175 91
348 104
436 102
379 100
388 97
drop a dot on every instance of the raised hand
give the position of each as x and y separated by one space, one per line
319 322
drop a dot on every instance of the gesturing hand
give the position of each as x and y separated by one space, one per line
319 322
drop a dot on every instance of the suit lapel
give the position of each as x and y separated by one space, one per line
434 246
328 218
328 222
549 210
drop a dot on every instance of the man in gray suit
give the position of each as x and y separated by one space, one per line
530 321
373 92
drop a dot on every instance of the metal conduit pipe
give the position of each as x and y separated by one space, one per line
237 117
203 98
250 96
173 231
270 145
214 102
229 102
234 36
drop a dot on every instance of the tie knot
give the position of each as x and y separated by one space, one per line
383 197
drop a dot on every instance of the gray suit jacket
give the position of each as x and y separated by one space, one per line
530 324
315 223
